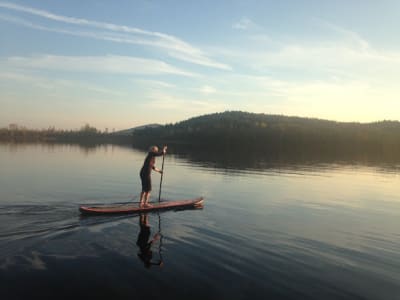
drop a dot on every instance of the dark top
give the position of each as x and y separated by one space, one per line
149 162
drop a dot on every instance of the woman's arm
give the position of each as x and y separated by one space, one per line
157 170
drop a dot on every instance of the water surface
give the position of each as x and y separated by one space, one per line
268 229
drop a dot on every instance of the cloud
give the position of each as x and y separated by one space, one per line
175 47
341 52
330 60
54 84
99 64
85 22
206 89
244 24
349 35
154 83
183 104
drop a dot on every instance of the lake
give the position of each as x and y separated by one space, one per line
268 229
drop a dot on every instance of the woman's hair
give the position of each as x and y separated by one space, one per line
153 149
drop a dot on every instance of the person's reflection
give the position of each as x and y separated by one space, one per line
144 244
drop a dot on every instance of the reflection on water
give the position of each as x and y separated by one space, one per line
269 229
145 242
230 161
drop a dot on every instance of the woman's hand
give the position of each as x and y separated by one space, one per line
165 149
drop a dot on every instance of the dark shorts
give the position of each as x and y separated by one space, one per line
146 182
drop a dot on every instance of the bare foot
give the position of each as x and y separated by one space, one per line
148 205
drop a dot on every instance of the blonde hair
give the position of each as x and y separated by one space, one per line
153 149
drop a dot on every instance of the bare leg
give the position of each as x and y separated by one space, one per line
142 198
146 202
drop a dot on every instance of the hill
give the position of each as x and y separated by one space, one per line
275 133
131 130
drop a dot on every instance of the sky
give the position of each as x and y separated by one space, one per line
120 64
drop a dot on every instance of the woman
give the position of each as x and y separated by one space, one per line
145 173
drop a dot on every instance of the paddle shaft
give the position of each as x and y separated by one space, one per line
162 173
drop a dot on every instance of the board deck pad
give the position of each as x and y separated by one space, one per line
135 208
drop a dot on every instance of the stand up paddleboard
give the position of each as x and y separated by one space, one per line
135 208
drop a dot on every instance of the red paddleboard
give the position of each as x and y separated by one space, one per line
135 208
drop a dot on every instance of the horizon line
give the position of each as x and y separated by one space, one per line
21 126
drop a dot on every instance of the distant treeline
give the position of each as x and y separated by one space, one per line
242 134
251 133
86 134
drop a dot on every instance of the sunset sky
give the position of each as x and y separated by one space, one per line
120 64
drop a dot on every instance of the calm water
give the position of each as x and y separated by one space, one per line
267 230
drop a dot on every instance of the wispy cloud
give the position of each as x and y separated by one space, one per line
184 104
174 46
154 83
341 52
52 84
331 59
99 64
349 35
244 24
206 89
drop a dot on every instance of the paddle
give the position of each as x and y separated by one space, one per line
162 173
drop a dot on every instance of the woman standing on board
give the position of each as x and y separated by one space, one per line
145 173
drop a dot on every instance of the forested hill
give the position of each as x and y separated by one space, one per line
250 131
